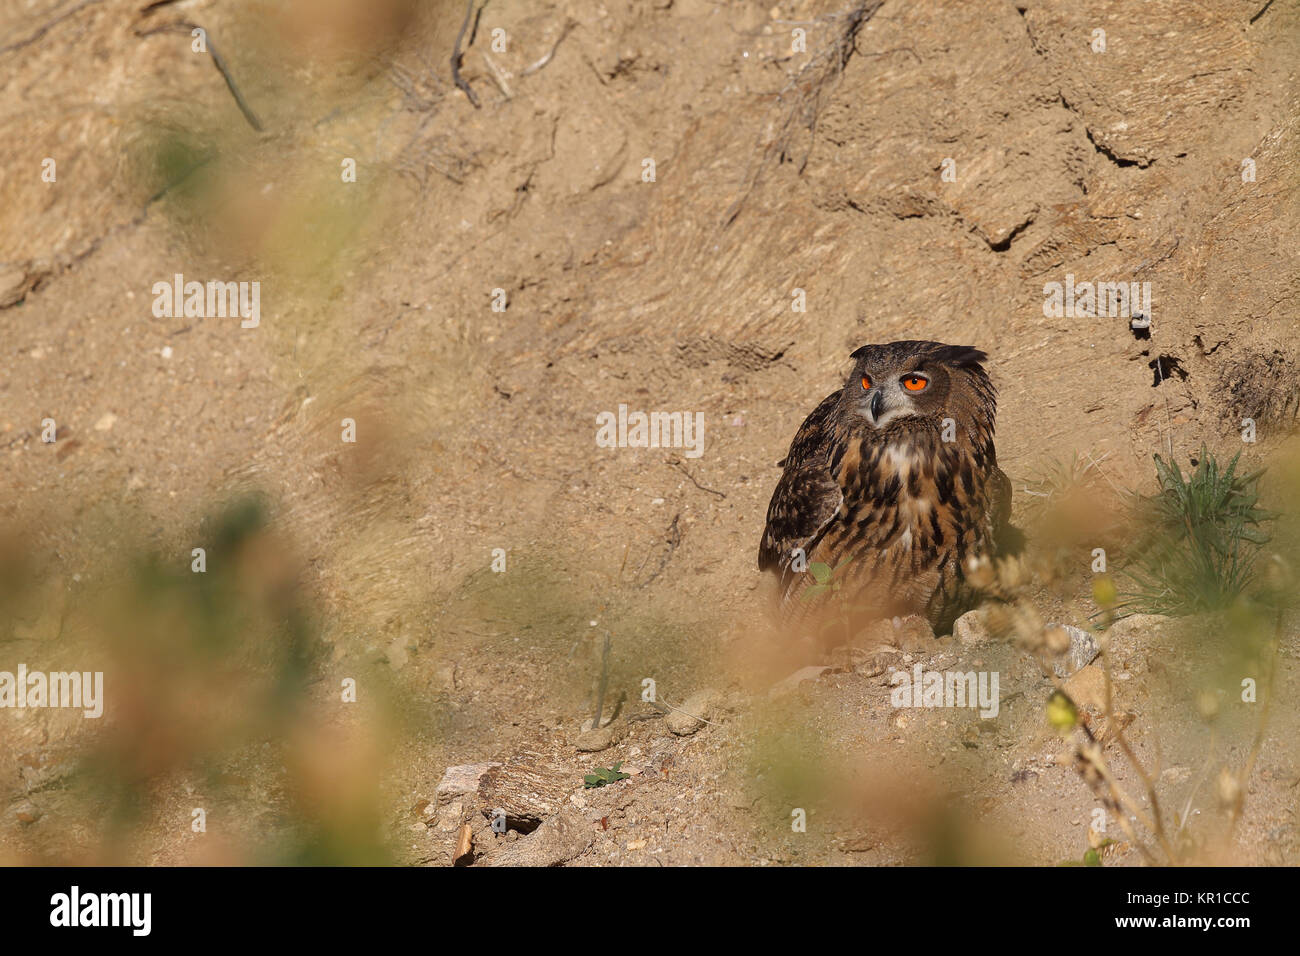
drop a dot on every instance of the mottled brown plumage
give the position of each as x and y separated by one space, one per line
893 481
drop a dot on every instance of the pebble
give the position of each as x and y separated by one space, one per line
460 780
693 713
593 740
1083 651
969 630
1087 688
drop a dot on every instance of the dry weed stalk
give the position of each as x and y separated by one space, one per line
1012 613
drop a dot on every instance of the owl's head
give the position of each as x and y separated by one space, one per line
917 380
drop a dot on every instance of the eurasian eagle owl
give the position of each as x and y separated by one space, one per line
892 483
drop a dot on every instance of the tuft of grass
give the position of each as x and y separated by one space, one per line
1059 477
1201 535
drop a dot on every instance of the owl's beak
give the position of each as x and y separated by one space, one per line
877 405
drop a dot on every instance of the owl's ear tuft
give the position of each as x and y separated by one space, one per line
859 352
961 356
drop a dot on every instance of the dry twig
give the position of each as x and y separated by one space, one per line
457 54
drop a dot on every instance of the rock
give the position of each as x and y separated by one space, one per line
559 839
1082 652
527 789
695 711
1087 688
16 281
913 633
592 740
458 781
882 660
27 812
449 816
106 422
970 631
795 679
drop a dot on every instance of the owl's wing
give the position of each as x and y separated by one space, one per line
1007 538
807 496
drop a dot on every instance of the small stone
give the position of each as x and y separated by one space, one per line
458 781
449 816
913 633
27 812
1087 688
969 629
1082 652
694 712
106 422
15 283
605 721
593 740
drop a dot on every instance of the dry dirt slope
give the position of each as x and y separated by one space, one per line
476 426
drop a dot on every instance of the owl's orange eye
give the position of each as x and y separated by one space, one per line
866 381
915 383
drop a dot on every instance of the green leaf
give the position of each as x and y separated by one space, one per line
815 590
822 572
605 775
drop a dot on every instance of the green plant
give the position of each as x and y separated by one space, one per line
828 584
824 575
605 775
1091 856
1199 537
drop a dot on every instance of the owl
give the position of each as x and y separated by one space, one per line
891 485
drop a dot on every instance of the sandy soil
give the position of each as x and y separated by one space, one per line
821 171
